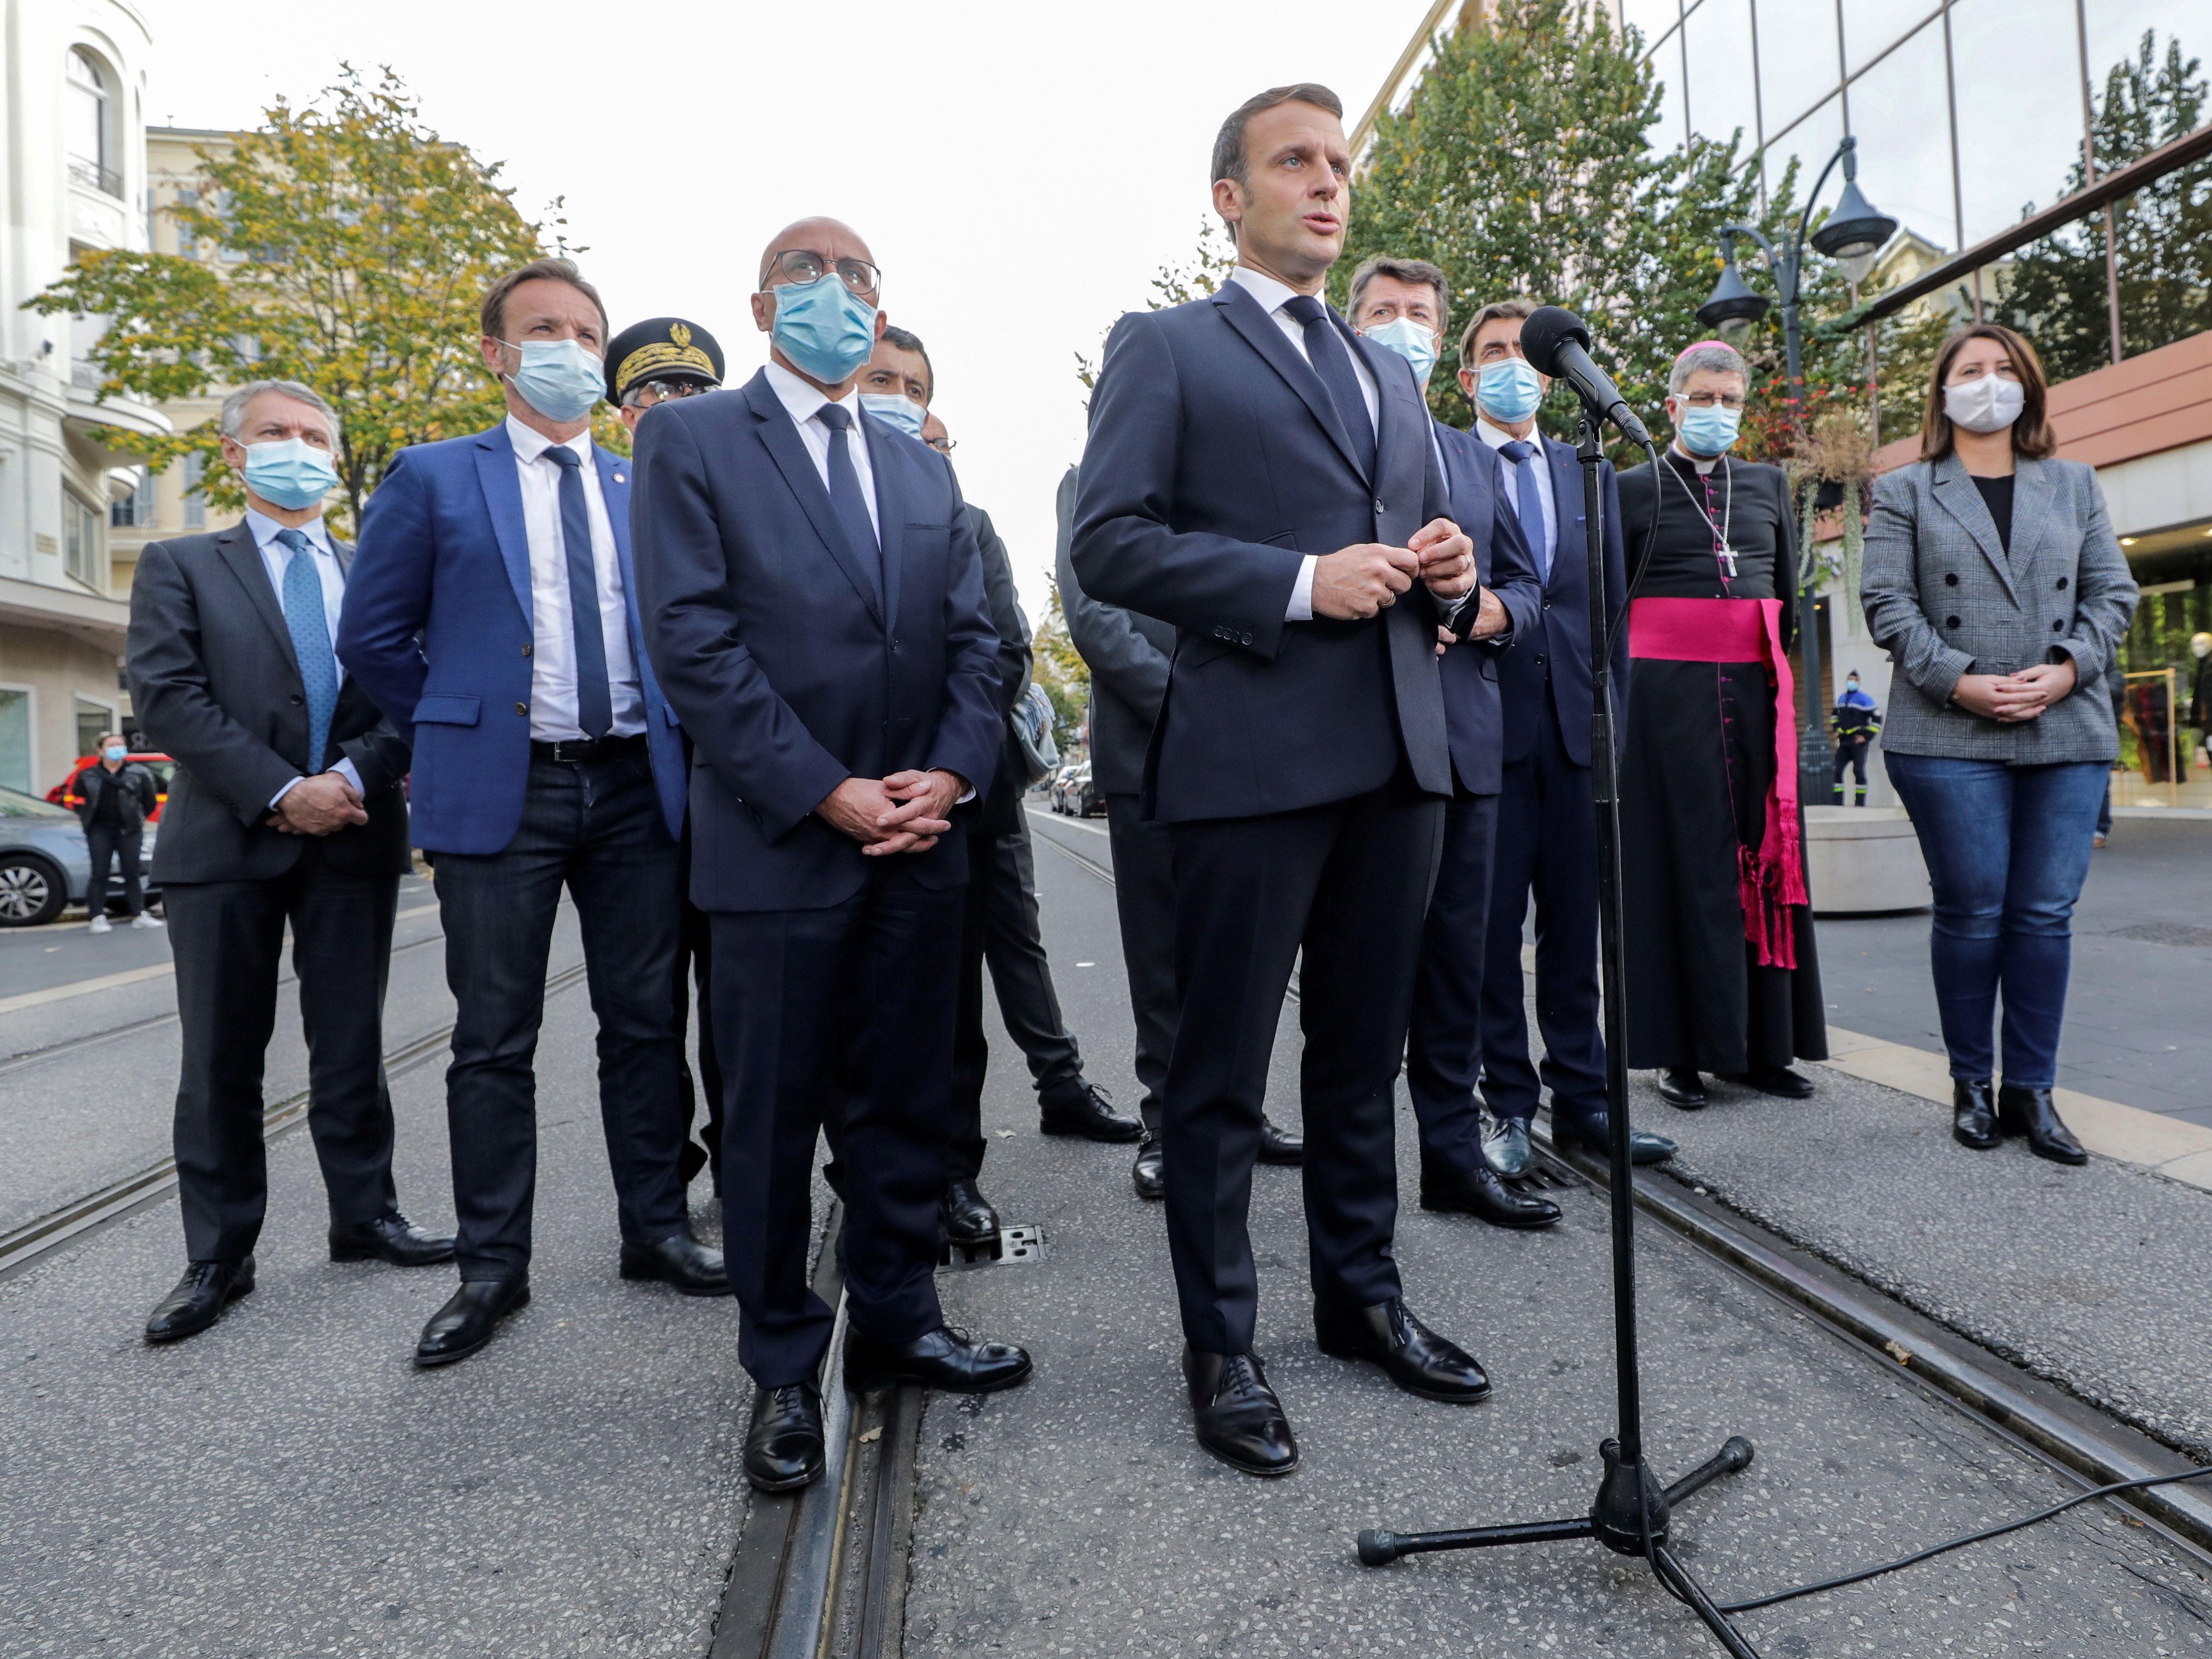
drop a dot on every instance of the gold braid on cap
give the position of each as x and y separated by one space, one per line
677 352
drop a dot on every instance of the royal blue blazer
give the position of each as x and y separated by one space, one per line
436 627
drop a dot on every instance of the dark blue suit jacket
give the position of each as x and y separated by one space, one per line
1214 464
790 673
1546 675
1476 481
437 626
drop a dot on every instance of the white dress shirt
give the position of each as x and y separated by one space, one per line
1274 295
1497 438
277 559
553 716
803 403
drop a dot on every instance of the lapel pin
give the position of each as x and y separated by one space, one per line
619 478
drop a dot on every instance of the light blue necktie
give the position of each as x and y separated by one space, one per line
310 643
1527 505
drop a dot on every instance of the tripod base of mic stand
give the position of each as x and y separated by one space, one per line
1631 1510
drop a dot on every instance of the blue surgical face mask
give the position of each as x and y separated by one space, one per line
1709 431
559 379
1509 390
291 474
823 327
895 407
115 751
1416 343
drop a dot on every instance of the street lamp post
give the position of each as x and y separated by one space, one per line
1851 236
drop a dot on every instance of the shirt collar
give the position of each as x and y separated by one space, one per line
531 445
1272 295
1497 437
802 399
264 530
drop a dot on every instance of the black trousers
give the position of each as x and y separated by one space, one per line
1144 896
227 938
1851 754
695 958
835 1021
1348 884
1546 841
107 843
596 830
999 928
1443 1047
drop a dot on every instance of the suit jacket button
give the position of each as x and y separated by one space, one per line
522 709
2057 627
526 647
2061 584
1244 639
1380 509
1540 660
1950 578
297 700
1950 622
1547 605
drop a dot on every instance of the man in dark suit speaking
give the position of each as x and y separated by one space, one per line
1264 479
286 807
813 603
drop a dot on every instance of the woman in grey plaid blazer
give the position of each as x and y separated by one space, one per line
1993 579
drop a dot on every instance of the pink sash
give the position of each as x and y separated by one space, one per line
1745 630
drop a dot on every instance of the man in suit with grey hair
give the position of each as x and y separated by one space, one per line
286 808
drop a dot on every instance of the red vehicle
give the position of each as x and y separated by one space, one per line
64 792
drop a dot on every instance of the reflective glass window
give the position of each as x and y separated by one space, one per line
2117 28
1898 111
1716 41
2017 69
1799 64
1810 143
1667 64
1653 17
1872 26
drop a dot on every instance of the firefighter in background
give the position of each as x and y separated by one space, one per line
1857 721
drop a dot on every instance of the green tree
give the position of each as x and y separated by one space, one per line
1521 165
2161 235
1060 669
368 244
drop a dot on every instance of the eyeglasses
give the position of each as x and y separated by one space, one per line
803 266
1707 399
661 390
943 446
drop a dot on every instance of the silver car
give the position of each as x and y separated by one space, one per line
44 865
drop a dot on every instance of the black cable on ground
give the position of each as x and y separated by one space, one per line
1960 1543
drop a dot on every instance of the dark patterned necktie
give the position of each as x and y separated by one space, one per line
847 502
1527 505
310 627
595 702
1332 362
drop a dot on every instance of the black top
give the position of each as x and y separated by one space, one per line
107 806
1748 500
1996 495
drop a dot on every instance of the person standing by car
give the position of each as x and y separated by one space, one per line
116 796
1994 580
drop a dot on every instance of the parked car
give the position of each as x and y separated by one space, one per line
44 865
65 793
1074 794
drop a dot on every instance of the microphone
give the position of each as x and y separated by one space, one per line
1557 343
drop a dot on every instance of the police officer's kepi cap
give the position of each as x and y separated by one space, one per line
661 349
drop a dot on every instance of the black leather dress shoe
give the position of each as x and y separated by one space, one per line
680 1260
391 1238
467 1322
201 1296
1088 1112
1778 1080
2031 1113
1280 1146
1594 1135
1506 1147
1679 1086
965 1216
1237 1414
1974 1115
942 1359
1411 1354
1479 1192
783 1448
1149 1173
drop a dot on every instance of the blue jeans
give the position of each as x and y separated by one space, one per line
2007 848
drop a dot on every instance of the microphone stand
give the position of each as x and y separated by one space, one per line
1631 1512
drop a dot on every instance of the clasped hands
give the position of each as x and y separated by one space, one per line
2012 699
1357 582
905 812
317 805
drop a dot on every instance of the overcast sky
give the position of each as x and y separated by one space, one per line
1020 170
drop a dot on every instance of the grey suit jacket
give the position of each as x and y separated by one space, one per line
215 685
1944 599
1127 655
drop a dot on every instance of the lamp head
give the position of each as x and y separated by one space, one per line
1854 233
1733 307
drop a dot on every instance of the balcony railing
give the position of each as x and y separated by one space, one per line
93 176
